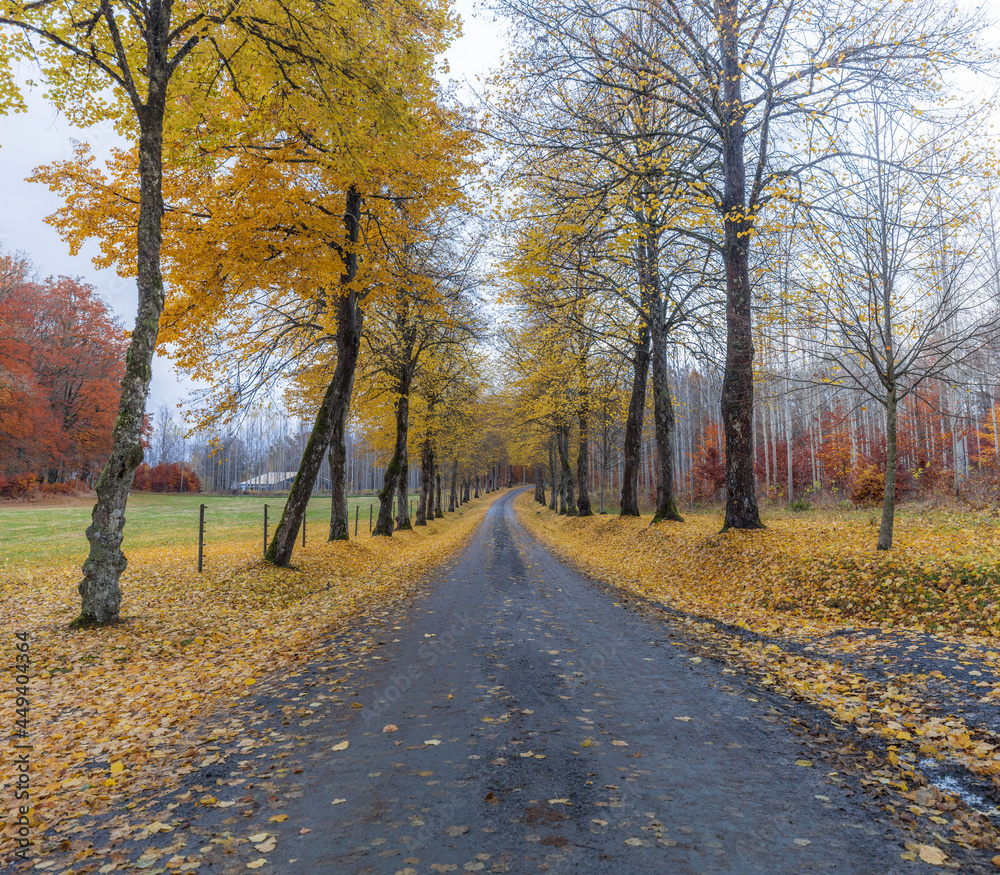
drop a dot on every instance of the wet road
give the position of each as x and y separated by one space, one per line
534 725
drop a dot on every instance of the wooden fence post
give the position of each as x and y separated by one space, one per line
201 536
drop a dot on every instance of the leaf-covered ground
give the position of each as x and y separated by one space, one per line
119 712
898 648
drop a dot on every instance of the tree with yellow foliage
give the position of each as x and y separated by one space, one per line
267 231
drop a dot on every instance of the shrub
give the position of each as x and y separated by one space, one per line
16 487
868 487
58 488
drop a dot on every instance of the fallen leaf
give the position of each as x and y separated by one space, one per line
278 818
455 831
390 727
432 741
258 837
560 802
256 864
338 801
803 763
342 745
683 719
932 855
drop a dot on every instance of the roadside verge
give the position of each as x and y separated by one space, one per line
922 707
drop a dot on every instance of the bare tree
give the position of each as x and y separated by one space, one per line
901 299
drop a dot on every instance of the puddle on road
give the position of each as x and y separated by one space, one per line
961 789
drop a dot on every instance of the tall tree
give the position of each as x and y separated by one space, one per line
744 80
904 297
320 154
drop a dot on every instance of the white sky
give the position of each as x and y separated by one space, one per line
41 136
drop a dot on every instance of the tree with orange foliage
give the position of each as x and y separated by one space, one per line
61 363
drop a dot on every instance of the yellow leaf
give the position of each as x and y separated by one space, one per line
932 855
117 767
278 818
803 763
342 745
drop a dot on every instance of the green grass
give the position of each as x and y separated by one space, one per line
51 535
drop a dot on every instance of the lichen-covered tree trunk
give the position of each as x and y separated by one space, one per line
737 381
664 422
330 426
397 471
100 590
438 502
632 442
477 487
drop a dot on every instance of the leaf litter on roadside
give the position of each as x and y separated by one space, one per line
119 713
808 607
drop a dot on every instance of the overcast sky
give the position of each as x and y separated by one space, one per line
41 136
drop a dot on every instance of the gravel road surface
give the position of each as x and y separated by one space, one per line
517 719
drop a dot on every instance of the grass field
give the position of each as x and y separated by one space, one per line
47 535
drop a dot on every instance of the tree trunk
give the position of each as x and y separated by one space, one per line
477 487
394 483
330 427
425 506
889 496
453 496
583 462
632 443
566 473
556 469
438 504
737 382
100 591
664 422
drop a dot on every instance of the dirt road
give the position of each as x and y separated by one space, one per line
513 717
518 720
